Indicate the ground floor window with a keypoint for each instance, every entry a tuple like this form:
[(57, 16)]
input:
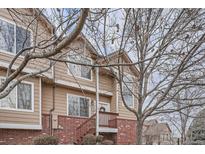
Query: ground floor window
[(20, 98), (78, 106)]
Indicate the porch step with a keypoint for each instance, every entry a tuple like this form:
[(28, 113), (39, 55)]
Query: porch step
[(107, 119)]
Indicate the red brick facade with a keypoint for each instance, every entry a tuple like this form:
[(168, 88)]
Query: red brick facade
[(126, 131), (67, 135)]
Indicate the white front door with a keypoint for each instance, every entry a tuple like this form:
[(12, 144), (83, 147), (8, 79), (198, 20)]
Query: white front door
[(105, 107)]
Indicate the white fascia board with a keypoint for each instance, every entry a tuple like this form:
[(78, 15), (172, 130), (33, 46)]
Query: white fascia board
[(20, 126), (61, 82), (75, 85), (25, 70)]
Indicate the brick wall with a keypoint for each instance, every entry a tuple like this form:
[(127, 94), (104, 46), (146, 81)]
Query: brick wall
[(126, 131), (66, 135)]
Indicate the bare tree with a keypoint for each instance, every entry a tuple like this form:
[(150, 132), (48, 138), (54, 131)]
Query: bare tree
[(70, 28), (176, 37), (182, 119), (167, 47)]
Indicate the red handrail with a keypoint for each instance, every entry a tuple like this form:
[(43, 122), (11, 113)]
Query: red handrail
[(85, 127), (86, 121)]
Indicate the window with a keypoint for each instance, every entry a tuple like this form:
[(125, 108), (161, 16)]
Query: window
[(10, 100), (20, 98), (23, 38), (127, 88), (13, 38), (24, 96), (79, 70), (78, 106), (7, 36)]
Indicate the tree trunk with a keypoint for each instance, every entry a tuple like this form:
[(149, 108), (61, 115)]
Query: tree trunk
[(139, 132), (182, 140)]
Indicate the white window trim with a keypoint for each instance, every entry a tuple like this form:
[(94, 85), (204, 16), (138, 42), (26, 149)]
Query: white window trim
[(40, 101), (91, 71), (133, 101), (117, 97), (32, 98), (89, 106), (13, 23)]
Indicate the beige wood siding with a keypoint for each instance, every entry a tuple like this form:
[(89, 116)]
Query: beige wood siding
[(42, 34), (62, 71), (61, 99), (33, 65), (113, 105), (21, 117), (106, 82), (123, 112)]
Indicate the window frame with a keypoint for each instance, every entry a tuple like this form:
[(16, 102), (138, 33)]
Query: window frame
[(32, 98), (79, 96), (15, 25), (91, 72), (133, 102)]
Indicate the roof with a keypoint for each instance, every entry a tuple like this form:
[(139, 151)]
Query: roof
[(89, 44), (157, 129), (150, 122), (43, 19), (126, 57)]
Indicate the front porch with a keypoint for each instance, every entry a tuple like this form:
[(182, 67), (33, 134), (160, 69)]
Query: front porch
[(107, 124)]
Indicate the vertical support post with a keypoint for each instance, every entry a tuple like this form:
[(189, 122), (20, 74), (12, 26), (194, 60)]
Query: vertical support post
[(97, 101)]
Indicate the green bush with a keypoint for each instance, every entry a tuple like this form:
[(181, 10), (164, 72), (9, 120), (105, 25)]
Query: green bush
[(45, 140), (89, 139), (107, 142)]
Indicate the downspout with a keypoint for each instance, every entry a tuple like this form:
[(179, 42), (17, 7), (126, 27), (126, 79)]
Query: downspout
[(53, 92), (97, 101), (53, 101)]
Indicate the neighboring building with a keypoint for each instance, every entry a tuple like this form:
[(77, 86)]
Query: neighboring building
[(156, 133), (176, 141), (54, 103), (196, 131)]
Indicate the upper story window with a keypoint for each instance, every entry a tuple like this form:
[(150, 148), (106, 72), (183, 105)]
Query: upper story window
[(20, 98), (13, 38), (80, 70), (78, 106), (127, 90)]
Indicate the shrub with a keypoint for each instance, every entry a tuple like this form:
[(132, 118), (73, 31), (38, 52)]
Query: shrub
[(107, 142), (89, 139), (45, 140), (99, 139)]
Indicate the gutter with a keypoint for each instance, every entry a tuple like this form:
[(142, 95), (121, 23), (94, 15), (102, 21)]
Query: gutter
[(53, 101)]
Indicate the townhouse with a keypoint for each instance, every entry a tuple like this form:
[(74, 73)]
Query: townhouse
[(155, 133), (62, 101)]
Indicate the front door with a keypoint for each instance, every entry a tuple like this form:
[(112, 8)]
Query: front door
[(104, 107)]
